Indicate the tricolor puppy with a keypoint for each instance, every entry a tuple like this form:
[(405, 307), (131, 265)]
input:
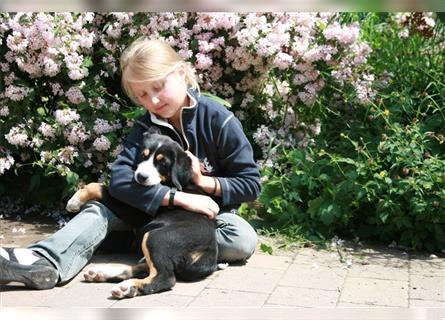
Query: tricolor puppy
[(176, 243)]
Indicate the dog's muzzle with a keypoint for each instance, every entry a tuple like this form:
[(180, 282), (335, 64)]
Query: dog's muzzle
[(146, 174)]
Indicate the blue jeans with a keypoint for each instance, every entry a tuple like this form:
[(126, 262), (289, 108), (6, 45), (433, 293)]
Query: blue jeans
[(70, 248)]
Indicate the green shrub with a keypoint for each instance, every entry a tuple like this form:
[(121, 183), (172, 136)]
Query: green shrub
[(375, 172)]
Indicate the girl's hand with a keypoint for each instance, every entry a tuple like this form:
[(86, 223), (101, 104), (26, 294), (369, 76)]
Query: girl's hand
[(208, 184), (196, 168), (197, 203)]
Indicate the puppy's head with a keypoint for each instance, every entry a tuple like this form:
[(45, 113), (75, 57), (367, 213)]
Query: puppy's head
[(162, 160)]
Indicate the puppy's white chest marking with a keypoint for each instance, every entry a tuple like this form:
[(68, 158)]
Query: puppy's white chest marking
[(146, 173)]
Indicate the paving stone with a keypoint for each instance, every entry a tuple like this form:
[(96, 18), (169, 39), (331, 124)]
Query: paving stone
[(247, 279), (387, 257), (27, 231), (83, 295), (192, 289), (280, 246), (428, 267), (19, 296), (164, 299), (314, 277), (313, 257), (389, 293), (379, 271), (276, 306), (269, 262), (229, 298), (343, 304), (427, 288), (416, 303), (303, 297), (379, 277)]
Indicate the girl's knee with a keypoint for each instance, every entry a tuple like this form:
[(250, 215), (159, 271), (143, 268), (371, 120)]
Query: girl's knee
[(99, 214), (236, 238)]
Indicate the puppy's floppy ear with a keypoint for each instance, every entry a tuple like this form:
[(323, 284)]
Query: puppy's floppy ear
[(181, 170)]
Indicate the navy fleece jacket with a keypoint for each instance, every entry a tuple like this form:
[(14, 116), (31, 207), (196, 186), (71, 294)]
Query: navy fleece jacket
[(211, 133)]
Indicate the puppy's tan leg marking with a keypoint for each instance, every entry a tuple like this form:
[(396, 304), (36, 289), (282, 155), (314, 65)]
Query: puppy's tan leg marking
[(133, 287), (92, 191), (196, 255)]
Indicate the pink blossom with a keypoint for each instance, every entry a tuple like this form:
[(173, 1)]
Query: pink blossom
[(102, 126), (6, 163), (88, 163), (404, 33), (203, 61), (115, 107), (283, 60), (17, 136), (47, 130), (4, 111), (85, 39), (4, 67), (78, 73), (16, 93), (185, 54), (76, 134), (56, 89), (205, 46), (345, 35), (51, 68), (47, 157), (66, 116), (17, 42), (102, 143), (67, 155), (75, 95)]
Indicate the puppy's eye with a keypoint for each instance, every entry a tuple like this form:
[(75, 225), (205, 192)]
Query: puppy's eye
[(146, 153), (160, 157)]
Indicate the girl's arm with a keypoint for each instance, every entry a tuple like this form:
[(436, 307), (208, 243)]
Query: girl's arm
[(193, 202)]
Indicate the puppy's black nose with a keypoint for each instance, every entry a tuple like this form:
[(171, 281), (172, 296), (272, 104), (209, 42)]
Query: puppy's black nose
[(141, 177)]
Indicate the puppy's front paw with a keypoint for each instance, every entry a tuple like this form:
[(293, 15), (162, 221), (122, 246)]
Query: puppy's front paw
[(125, 289), (74, 204)]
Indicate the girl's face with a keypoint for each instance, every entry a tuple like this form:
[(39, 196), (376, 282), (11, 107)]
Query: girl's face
[(164, 97)]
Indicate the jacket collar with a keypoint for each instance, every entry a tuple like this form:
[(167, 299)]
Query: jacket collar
[(187, 114)]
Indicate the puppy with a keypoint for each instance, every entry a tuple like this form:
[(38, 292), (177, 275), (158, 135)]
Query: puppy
[(176, 243)]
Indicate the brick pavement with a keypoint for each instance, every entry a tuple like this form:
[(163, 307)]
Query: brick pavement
[(374, 277)]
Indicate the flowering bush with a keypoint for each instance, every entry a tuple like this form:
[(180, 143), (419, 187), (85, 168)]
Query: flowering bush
[(62, 111), (375, 172)]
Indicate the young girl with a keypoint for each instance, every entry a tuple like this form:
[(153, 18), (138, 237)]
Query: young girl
[(155, 77)]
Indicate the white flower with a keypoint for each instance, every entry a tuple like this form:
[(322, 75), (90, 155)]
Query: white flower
[(6, 163), (102, 143)]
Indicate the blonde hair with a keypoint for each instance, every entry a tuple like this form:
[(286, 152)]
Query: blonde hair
[(150, 60)]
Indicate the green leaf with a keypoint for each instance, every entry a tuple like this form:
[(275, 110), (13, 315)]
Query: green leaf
[(384, 216), (134, 114), (87, 62), (194, 44), (295, 197), (217, 99), (328, 212), (265, 248), (314, 205), (72, 178)]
